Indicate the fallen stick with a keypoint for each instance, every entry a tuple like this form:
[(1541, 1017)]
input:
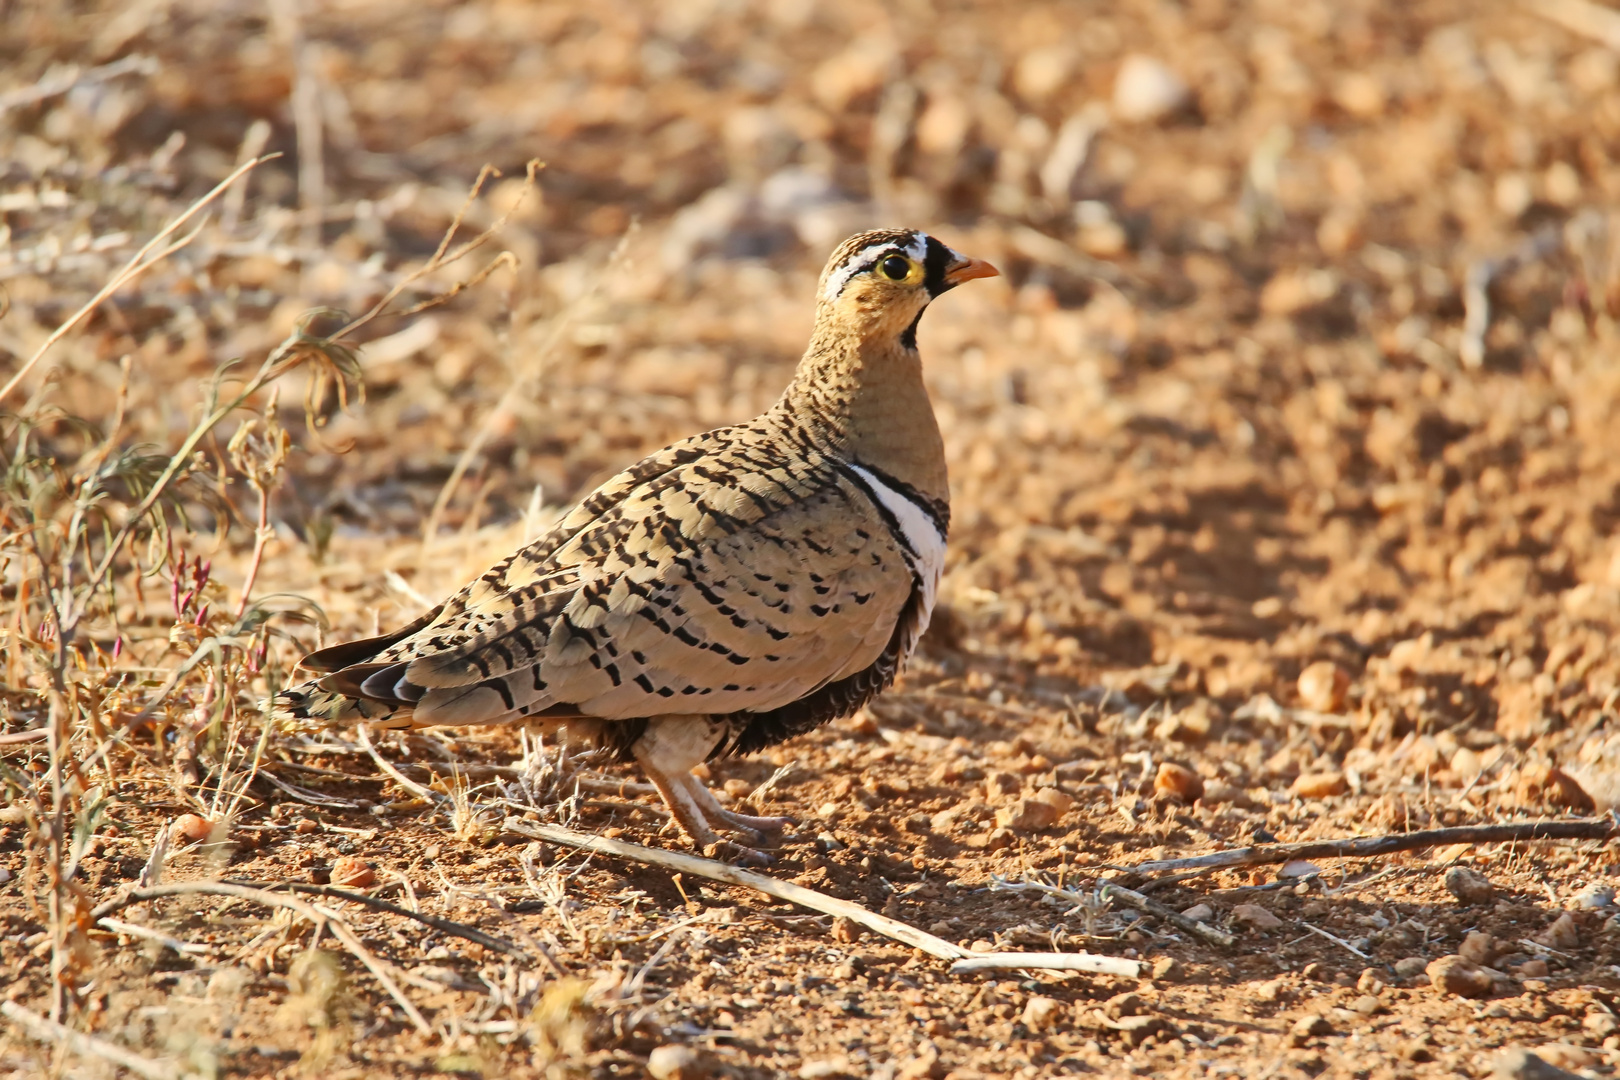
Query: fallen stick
[(460, 930), (1132, 898), (1050, 961), (118, 926), (49, 1031), (1367, 847), (719, 871), (314, 914)]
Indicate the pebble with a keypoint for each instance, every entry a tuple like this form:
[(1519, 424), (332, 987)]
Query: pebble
[(845, 930), (1027, 815), (1137, 1029), (1469, 886), (1060, 801), (1368, 1005), (1200, 913), (1371, 982), (674, 1062), (1533, 969), (1408, 966), (190, 828), (1321, 785), (353, 872), (1455, 975), (822, 1068), (1179, 781), (1121, 1005), (1523, 1065), (1256, 916), (1562, 934), (1002, 785), (1566, 1055), (1000, 838), (1308, 1027), (1478, 948), (1323, 686), (1041, 1013), (1595, 896), (1147, 89), (1166, 967)]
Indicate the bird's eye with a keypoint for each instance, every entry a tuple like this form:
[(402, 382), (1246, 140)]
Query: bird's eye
[(895, 267)]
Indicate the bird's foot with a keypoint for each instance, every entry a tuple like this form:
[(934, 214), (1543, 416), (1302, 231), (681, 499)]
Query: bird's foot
[(749, 823), (738, 854)]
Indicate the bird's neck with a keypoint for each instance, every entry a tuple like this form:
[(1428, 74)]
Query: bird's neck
[(864, 400)]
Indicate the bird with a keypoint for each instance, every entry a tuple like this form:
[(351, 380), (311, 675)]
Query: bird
[(725, 594)]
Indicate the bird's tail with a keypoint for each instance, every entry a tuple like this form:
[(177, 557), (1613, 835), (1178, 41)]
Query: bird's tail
[(309, 702)]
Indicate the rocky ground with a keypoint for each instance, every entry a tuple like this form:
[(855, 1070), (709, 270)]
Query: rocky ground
[(1286, 477)]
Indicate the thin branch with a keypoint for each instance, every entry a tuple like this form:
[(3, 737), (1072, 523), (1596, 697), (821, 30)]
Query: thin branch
[(1050, 961), (1367, 847), (1132, 898), (468, 933), (425, 794), (137, 265), (719, 871), (49, 1031)]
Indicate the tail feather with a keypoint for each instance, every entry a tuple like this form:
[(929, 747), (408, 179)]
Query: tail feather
[(310, 702)]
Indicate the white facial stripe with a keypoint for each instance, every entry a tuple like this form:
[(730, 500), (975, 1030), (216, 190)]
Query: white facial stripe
[(920, 533), (917, 249)]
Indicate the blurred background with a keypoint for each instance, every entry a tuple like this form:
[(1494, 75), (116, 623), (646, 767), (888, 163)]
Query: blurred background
[(1304, 349)]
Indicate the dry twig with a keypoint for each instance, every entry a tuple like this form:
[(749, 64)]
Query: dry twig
[(1050, 961), (719, 871), (1367, 847), (1132, 898), (49, 1031)]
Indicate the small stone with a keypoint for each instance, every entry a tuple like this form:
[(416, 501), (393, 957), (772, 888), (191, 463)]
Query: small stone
[(1166, 967), (1121, 1005), (1469, 886), (352, 872), (1595, 896), (845, 930), (823, 1068), (1321, 785), (1002, 785), (1256, 916), (1322, 686), (1027, 815), (674, 1062), (1060, 801), (737, 789), (1147, 89), (1200, 913), (1371, 982), (1521, 1064), (305, 827), (918, 824), (1309, 1027), (190, 828), (1367, 1005), (982, 946), (1178, 781), (1408, 966), (925, 1066), (1271, 991), (1566, 1055), (1600, 1024), (1478, 948), (1454, 975), (1000, 838), (1137, 1029), (1041, 1013), (1562, 934), (1533, 969)]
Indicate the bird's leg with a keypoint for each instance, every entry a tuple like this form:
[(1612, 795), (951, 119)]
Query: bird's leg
[(666, 752), (745, 823)]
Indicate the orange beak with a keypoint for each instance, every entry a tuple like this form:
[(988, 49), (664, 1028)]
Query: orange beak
[(967, 271)]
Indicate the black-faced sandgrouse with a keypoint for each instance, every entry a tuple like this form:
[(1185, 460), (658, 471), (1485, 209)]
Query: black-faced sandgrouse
[(727, 593)]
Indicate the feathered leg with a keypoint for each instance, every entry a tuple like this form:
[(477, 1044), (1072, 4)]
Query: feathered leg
[(667, 753)]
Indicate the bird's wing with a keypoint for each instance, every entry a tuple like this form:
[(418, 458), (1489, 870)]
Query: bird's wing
[(728, 573)]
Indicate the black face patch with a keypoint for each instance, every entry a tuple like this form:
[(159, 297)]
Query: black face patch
[(935, 263)]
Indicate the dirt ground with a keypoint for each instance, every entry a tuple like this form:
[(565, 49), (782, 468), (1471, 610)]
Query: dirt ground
[(1285, 463)]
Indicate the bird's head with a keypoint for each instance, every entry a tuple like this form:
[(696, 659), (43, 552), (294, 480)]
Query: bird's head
[(880, 282)]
